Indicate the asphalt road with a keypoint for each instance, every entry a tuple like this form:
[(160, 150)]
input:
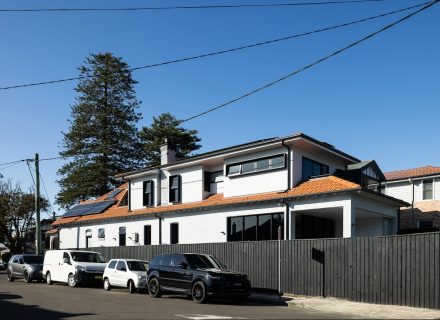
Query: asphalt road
[(19, 300)]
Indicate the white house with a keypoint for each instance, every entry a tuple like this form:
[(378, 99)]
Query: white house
[(295, 187), (420, 187)]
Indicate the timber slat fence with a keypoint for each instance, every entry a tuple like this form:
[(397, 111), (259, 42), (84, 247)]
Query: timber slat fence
[(400, 270)]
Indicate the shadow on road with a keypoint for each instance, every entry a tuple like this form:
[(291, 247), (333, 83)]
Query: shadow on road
[(9, 308)]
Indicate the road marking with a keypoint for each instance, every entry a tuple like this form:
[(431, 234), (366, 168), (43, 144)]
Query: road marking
[(196, 316)]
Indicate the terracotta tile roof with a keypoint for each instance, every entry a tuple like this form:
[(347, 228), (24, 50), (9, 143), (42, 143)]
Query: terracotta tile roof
[(311, 187), (412, 173)]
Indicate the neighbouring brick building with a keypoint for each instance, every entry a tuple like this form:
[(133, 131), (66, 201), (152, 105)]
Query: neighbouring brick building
[(421, 188)]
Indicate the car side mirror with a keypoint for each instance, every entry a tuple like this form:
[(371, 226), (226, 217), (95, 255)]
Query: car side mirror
[(124, 269), (183, 265), (66, 260), (21, 261)]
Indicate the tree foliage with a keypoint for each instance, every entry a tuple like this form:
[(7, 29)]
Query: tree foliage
[(17, 209), (102, 139), (166, 126)]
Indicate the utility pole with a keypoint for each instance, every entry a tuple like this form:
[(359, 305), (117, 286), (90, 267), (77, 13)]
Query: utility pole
[(37, 205)]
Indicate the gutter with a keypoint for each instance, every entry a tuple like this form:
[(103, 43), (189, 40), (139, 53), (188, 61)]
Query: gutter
[(287, 206)]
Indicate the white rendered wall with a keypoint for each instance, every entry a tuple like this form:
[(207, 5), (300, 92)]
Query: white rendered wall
[(400, 190), (261, 182), (371, 227), (192, 184), (75, 237)]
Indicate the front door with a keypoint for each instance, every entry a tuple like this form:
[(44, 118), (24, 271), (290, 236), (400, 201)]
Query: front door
[(180, 275), (120, 274), (64, 268)]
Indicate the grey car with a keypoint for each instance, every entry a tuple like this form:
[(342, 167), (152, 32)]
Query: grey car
[(26, 266)]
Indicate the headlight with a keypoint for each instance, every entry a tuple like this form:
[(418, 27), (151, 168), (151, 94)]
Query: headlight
[(80, 268), (142, 277)]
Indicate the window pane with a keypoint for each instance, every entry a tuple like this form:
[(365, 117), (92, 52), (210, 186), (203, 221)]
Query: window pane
[(177, 259), (101, 233), (216, 177), (174, 182), (112, 264), (278, 162), (250, 228), (234, 169), (235, 229), (277, 221), (148, 187), (427, 189), (174, 233), (324, 169), (263, 164), (166, 260), (316, 171), (248, 167), (306, 168), (121, 265), (147, 235), (264, 227)]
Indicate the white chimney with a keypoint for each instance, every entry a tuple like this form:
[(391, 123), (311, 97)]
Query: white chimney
[(167, 153)]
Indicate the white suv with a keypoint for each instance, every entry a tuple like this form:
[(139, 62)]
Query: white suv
[(126, 273)]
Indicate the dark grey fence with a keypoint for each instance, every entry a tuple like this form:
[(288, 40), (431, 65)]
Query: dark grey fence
[(400, 270)]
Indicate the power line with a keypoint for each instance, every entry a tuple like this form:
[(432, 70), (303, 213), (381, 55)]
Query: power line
[(222, 6), (335, 53), (210, 54), (47, 195), (11, 165), (30, 172), (13, 162)]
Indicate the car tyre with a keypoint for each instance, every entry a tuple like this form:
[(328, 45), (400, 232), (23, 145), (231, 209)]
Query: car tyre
[(154, 288), (10, 276), (107, 285), (71, 280), (131, 287), (199, 293), (27, 278), (49, 278)]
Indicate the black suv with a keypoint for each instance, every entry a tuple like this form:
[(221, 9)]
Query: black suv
[(196, 275)]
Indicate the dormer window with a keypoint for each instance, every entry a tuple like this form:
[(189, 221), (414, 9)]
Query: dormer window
[(148, 194), (175, 188)]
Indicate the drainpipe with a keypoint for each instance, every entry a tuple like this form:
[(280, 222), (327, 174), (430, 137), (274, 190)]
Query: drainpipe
[(412, 203), (160, 227), (129, 196), (289, 173)]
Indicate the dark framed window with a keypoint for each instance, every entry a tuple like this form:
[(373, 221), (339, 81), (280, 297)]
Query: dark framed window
[(148, 193), (174, 233), (101, 233), (147, 235), (311, 168), (122, 236), (427, 190), (255, 227), (175, 188), (257, 165), (425, 224), (124, 201), (88, 237), (212, 177)]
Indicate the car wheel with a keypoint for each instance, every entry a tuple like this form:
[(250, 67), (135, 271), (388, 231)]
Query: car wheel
[(154, 288), (10, 276), (71, 280), (107, 285), (49, 278), (27, 278), (131, 287), (198, 292)]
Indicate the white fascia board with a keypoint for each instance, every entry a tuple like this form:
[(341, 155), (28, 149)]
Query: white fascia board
[(142, 174), (434, 176)]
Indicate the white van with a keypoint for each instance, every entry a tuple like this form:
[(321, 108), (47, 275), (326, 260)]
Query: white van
[(73, 266)]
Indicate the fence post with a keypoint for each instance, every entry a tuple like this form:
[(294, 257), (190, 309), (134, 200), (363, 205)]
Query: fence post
[(279, 259)]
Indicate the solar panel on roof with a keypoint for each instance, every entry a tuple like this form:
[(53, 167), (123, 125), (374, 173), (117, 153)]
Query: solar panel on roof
[(114, 193), (88, 208)]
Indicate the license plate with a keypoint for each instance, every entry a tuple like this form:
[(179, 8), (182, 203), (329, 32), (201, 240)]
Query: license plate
[(98, 277), (237, 284)]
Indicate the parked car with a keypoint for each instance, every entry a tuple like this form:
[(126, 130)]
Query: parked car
[(3, 265), (26, 266), (73, 267), (126, 273), (199, 276)]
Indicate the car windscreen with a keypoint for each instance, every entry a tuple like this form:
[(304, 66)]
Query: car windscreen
[(136, 266), (33, 259), (196, 261), (87, 257)]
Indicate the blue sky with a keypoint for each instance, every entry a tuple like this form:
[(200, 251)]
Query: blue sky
[(380, 100)]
